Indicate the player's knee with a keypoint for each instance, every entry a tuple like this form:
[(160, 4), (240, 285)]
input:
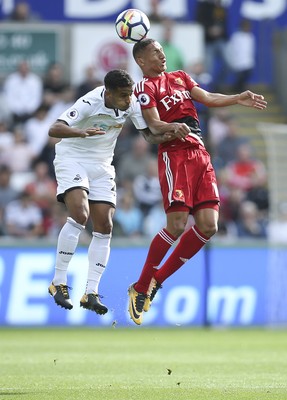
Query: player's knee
[(81, 216), (209, 229), (176, 229)]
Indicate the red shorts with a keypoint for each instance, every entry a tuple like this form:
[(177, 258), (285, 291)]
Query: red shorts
[(187, 177)]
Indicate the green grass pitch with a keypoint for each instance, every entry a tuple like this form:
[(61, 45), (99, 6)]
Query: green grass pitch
[(139, 363)]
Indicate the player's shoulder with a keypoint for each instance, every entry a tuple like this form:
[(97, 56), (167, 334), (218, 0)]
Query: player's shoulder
[(177, 73), (142, 85), (94, 96)]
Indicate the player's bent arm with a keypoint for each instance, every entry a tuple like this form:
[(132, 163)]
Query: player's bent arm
[(60, 129), (156, 139), (159, 127), (247, 98)]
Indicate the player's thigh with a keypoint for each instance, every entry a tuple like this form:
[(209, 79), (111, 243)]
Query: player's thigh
[(76, 201), (206, 220), (102, 216)]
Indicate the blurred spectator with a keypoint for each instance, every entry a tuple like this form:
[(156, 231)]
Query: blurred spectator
[(36, 130), (128, 216), (90, 82), (174, 58), (54, 84), (124, 142), (146, 187), (155, 15), (48, 154), (66, 100), (136, 161), (58, 218), (227, 149), (23, 218), (22, 13), (241, 54), (230, 200), (7, 191), (204, 79), (5, 112), (218, 126), (213, 18), (20, 155), (6, 140), (250, 224), (155, 220), (42, 190), (23, 92), (246, 172)]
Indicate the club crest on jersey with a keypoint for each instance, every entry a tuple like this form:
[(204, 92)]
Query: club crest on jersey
[(144, 99), (179, 81), (73, 114), (179, 194)]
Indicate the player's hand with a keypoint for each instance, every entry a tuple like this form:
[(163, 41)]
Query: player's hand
[(95, 131), (179, 130), (91, 132), (250, 99)]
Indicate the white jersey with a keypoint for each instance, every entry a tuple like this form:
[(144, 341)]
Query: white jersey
[(90, 111)]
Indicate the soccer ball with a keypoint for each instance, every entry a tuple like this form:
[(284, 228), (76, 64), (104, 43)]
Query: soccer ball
[(132, 25)]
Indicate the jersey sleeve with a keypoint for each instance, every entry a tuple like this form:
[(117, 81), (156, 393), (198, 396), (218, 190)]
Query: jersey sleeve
[(145, 94), (136, 114), (189, 81), (81, 109)]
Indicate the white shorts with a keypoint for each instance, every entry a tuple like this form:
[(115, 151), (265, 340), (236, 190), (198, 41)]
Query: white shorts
[(97, 179)]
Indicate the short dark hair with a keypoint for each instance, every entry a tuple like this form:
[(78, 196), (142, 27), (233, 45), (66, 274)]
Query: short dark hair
[(117, 78), (141, 45)]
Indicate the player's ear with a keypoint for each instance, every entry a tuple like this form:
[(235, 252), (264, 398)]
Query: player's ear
[(140, 61)]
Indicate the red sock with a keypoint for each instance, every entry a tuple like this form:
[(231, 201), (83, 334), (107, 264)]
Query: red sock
[(159, 246), (190, 243)]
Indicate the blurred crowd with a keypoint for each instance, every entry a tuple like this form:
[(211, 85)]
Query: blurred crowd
[(29, 104)]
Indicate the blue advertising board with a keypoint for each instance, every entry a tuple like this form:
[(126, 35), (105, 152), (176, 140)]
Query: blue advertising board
[(239, 292), (107, 10)]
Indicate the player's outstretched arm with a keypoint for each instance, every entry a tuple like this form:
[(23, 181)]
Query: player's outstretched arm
[(247, 99), (60, 129)]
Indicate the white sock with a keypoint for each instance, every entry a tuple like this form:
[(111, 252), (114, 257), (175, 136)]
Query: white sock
[(98, 255), (67, 243)]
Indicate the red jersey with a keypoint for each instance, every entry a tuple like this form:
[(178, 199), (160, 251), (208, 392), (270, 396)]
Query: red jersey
[(170, 94)]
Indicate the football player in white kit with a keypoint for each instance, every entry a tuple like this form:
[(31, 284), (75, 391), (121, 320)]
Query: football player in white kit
[(86, 178)]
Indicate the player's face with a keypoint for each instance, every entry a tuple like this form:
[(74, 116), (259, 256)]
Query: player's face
[(119, 98), (153, 60)]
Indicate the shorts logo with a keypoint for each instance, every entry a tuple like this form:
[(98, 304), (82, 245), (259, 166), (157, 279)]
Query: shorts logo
[(179, 194), (77, 178), (144, 99), (73, 114)]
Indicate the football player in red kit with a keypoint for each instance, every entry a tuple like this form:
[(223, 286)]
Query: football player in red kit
[(187, 178)]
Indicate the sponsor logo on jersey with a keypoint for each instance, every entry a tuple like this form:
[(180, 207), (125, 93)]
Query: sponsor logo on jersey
[(86, 101), (73, 114), (144, 99), (177, 97)]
